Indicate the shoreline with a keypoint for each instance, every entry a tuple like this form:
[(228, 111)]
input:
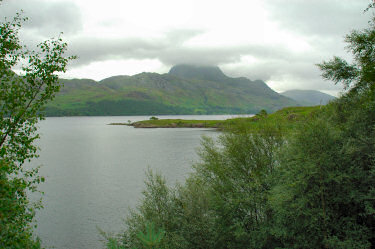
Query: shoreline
[(175, 123), (286, 118)]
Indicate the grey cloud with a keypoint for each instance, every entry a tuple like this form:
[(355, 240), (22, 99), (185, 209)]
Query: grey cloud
[(89, 50), (201, 56), (100, 49), (319, 17), (46, 19), (294, 75), (169, 49), (97, 49)]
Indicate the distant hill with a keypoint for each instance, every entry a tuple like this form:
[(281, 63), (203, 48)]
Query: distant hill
[(308, 97), (184, 90)]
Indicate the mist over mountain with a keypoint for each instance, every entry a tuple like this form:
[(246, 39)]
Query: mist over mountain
[(308, 97), (186, 89), (198, 72)]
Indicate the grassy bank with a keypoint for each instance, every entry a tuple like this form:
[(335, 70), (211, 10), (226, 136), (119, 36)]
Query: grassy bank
[(286, 118)]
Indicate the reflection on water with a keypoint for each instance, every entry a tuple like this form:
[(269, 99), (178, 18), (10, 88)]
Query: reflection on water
[(95, 171)]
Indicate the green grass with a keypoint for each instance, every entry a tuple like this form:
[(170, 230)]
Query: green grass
[(287, 119), (176, 123)]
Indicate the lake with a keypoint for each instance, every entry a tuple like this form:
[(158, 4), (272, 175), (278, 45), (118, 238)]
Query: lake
[(95, 172)]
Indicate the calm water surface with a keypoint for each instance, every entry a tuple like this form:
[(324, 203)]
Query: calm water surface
[(95, 172)]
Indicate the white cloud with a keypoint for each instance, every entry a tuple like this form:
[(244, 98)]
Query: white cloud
[(46, 18)]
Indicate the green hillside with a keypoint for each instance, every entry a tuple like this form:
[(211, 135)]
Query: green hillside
[(184, 90)]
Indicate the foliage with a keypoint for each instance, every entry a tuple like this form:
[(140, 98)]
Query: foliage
[(238, 174), (324, 196), (317, 192), (262, 113), (21, 99), (152, 238), (159, 207)]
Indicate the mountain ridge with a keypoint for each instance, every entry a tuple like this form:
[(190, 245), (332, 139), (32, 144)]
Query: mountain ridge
[(184, 90), (308, 97)]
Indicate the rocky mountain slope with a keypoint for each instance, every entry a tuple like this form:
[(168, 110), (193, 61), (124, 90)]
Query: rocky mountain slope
[(185, 89)]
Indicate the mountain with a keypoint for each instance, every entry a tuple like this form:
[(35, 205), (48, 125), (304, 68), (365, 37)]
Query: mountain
[(198, 72), (308, 97), (185, 89)]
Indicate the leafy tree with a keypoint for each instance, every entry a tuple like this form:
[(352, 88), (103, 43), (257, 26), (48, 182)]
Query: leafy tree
[(22, 98), (354, 113), (325, 195), (151, 239), (223, 204), (262, 113), (158, 207), (238, 172), (314, 199)]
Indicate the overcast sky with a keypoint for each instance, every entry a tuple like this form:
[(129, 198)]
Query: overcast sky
[(278, 41)]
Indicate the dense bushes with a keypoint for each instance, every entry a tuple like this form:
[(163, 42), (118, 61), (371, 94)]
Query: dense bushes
[(319, 196), (222, 205)]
